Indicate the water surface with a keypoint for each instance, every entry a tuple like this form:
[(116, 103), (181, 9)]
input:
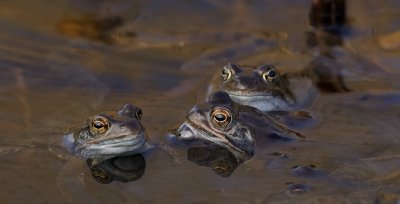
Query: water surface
[(63, 60)]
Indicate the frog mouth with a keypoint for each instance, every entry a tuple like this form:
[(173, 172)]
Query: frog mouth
[(251, 94), (262, 102), (253, 98), (205, 133), (114, 146), (120, 141)]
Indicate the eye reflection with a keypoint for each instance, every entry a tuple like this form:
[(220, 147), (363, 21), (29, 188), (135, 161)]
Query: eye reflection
[(219, 159), (222, 168)]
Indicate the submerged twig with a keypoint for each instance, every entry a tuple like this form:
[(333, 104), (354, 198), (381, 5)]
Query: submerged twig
[(381, 158), (391, 176), (22, 96)]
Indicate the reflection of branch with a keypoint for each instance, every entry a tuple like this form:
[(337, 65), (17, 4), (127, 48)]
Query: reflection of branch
[(382, 158), (391, 176), (21, 86)]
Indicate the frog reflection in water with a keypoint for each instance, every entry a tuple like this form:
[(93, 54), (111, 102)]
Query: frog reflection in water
[(263, 87), (109, 134), (235, 127), (125, 168), (218, 158)]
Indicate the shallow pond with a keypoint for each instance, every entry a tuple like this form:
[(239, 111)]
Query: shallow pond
[(63, 60)]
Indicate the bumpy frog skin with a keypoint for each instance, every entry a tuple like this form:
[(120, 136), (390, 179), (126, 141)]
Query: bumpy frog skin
[(263, 87), (108, 134), (236, 127)]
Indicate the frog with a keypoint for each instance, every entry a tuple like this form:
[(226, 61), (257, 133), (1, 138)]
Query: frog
[(239, 128), (330, 66), (109, 145), (263, 87), (108, 134)]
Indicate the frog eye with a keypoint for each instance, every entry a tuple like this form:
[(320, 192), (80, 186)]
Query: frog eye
[(226, 73), (139, 114), (221, 117), (269, 76), (100, 125)]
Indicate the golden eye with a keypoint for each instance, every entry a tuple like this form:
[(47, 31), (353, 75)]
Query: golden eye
[(269, 76), (226, 73), (100, 126), (221, 117)]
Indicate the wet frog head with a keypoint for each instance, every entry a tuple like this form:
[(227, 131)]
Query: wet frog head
[(108, 134), (218, 121), (262, 87), (236, 127)]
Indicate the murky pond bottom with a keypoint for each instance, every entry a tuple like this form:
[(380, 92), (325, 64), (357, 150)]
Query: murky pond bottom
[(64, 60)]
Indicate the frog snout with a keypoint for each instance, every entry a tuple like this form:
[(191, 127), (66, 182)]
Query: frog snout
[(185, 133)]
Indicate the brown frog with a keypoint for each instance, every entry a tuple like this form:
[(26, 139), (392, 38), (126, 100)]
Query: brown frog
[(263, 87), (238, 128), (107, 135)]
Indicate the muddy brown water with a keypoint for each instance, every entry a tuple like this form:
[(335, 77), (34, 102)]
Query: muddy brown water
[(61, 61)]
